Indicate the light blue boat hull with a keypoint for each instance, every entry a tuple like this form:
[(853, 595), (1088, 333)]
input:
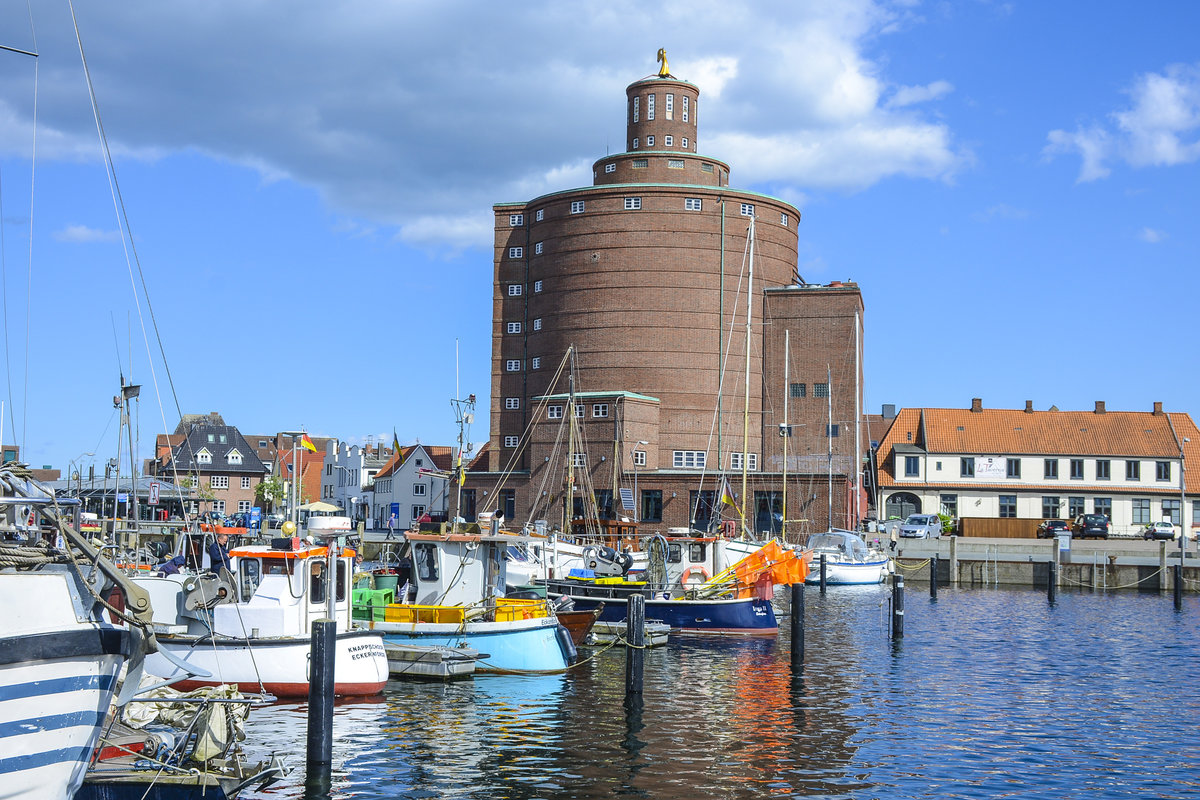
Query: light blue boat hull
[(516, 647)]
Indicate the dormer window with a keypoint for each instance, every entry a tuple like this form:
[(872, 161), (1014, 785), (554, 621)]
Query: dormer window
[(234, 457), (204, 457)]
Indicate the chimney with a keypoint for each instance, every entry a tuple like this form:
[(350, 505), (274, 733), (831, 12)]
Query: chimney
[(1028, 406), (1099, 406), (1158, 408), (889, 410), (976, 405)]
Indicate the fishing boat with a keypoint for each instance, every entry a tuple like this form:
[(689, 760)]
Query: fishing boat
[(59, 656), (848, 559), (688, 586), (250, 626), (460, 601)]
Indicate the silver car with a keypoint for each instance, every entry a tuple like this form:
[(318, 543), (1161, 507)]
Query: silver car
[(921, 526)]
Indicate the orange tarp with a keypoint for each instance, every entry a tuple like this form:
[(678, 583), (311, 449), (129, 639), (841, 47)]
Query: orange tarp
[(769, 566)]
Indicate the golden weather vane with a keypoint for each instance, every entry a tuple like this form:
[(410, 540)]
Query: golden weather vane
[(663, 72)]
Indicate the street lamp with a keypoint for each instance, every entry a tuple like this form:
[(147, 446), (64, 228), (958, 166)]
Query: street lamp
[(640, 443)]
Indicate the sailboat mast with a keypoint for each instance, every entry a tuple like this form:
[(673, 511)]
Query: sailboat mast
[(746, 410), (857, 421), (785, 430), (829, 438), (569, 499)]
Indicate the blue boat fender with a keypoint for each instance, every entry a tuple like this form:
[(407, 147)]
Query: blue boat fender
[(566, 645)]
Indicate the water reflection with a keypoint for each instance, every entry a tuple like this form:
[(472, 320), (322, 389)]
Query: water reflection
[(991, 692)]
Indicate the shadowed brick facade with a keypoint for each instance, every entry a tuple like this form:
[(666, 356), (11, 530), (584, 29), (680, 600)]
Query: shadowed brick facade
[(644, 272)]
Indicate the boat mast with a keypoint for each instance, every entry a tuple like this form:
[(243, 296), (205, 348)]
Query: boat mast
[(746, 409), (857, 421), (569, 499), (784, 429), (829, 438)]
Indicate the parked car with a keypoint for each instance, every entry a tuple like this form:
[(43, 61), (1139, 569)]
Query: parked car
[(1053, 527), (1088, 526), (1159, 530), (921, 526)]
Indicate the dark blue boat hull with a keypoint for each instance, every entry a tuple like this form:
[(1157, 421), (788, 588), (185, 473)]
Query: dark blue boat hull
[(743, 616)]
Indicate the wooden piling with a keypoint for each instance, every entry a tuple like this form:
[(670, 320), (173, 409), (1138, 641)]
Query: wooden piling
[(797, 623), (323, 647), (897, 606), (635, 653), (823, 573), (933, 577), (1051, 580)]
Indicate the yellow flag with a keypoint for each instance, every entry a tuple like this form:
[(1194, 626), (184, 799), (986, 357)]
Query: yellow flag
[(307, 443)]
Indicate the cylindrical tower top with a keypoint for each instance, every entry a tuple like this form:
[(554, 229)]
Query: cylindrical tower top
[(661, 113)]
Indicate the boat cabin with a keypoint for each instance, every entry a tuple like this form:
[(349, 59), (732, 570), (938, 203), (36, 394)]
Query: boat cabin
[(283, 587), (463, 569)]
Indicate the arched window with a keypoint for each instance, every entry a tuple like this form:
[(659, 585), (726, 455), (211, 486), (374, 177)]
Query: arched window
[(901, 504)]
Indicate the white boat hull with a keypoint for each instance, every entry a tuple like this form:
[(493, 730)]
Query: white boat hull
[(276, 665), (848, 574)]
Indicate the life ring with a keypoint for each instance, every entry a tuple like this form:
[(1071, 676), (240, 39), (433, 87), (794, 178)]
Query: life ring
[(684, 579)]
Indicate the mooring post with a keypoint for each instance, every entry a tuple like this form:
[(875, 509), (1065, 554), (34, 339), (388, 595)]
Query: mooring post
[(1051, 580), (933, 576), (797, 624), (1177, 569), (635, 653), (897, 606), (323, 647), (954, 561), (823, 573)]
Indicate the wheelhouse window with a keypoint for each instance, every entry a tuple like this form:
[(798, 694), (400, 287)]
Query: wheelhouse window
[(425, 561)]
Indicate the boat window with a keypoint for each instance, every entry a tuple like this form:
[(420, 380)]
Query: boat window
[(341, 580), (674, 553), (427, 567), (316, 583), (696, 551), (249, 576)]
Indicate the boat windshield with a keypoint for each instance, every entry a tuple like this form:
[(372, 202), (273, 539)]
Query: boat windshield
[(838, 541)]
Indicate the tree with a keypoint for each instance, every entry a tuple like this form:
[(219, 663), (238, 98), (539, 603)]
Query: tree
[(271, 491)]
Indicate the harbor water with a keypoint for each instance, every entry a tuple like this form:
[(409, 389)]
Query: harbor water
[(991, 693)]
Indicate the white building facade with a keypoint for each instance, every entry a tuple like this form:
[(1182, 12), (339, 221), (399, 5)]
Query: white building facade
[(411, 486)]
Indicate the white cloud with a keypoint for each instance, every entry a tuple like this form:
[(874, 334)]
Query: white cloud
[(911, 95), (84, 234), (1151, 235), (1162, 128)]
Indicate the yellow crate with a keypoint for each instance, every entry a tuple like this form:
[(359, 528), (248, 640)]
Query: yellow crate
[(406, 613), (510, 609), (617, 580)]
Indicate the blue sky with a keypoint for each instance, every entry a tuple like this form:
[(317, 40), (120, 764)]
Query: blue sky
[(309, 190)]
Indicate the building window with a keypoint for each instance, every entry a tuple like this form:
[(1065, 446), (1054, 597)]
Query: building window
[(540, 215), (1049, 508), (417, 512), (966, 467), (652, 505), (1133, 470), (508, 503), (218, 506), (516, 252), (688, 459), (1076, 469), (1141, 511), (649, 141), (639, 458), (554, 412), (514, 290), (536, 363), (1014, 468), (1103, 469), (204, 457), (649, 107), (912, 466), (675, 163), (950, 505), (418, 489), (514, 327), (234, 457), (683, 143), (640, 163), (1102, 505), (579, 411), (1008, 506), (1170, 511), (706, 167), (798, 390), (783, 220), (219, 482), (537, 248), (246, 480), (637, 105), (635, 143), (1050, 469), (747, 209), (243, 506), (516, 220), (1162, 470), (610, 168), (735, 461), (831, 431), (633, 203), (599, 409), (511, 441), (537, 324), (512, 402), (513, 365), (1074, 506), (685, 109), (670, 142), (820, 390), (692, 204), (576, 206), (670, 109), (579, 459), (537, 286)]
